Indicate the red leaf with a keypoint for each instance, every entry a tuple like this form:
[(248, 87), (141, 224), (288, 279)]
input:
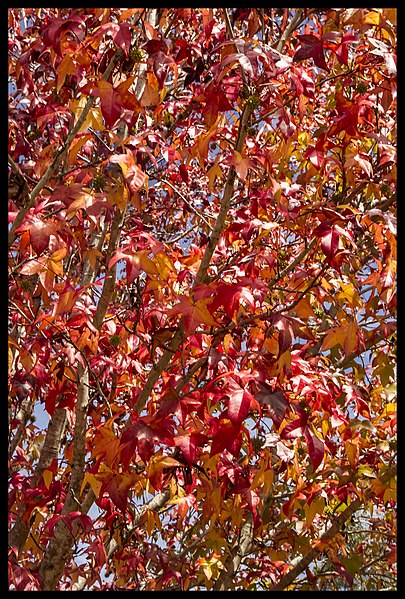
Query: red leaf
[(294, 429), (117, 487), (239, 405), (285, 333), (230, 295), (316, 448), (275, 401), (341, 50), (161, 66), (341, 569), (312, 47), (187, 444), (195, 313), (120, 33), (227, 436), (109, 97)]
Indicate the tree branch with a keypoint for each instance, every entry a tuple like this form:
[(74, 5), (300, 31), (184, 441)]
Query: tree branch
[(46, 177), (241, 549), (164, 360), (60, 546), (335, 527), (56, 428)]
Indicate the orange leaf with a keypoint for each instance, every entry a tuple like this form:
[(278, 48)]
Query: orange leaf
[(194, 313), (150, 96), (350, 340), (66, 67)]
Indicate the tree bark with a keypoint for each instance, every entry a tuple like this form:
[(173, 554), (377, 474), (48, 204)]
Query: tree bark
[(227, 577), (56, 429), (59, 549)]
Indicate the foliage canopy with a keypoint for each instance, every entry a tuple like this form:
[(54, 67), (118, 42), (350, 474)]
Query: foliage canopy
[(202, 298)]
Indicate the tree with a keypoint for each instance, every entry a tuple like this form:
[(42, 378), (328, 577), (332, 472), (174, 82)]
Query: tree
[(202, 296)]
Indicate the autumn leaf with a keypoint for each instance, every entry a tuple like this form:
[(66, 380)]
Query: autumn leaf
[(241, 164), (133, 174), (230, 296), (110, 105), (65, 67), (275, 401), (117, 486), (202, 334), (93, 119), (150, 96), (240, 402), (120, 33), (311, 47), (195, 313)]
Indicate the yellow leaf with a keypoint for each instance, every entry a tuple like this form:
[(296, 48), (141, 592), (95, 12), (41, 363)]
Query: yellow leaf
[(372, 18), (351, 449), (47, 475), (10, 359), (94, 118), (164, 265), (119, 196), (203, 141), (268, 480), (349, 292), (214, 172), (91, 256), (315, 507), (75, 146), (334, 336), (216, 499), (304, 309)]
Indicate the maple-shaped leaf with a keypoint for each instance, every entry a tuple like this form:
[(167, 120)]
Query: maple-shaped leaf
[(39, 232), (162, 64), (120, 33), (157, 464), (230, 296), (240, 402), (363, 161), (295, 428), (226, 436), (350, 114), (133, 174), (150, 96), (311, 47), (65, 67), (109, 99), (316, 448), (330, 235), (59, 29), (126, 97), (183, 504), (341, 49), (135, 262), (66, 299), (195, 313), (275, 401), (117, 486), (241, 164), (188, 445), (232, 59)]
